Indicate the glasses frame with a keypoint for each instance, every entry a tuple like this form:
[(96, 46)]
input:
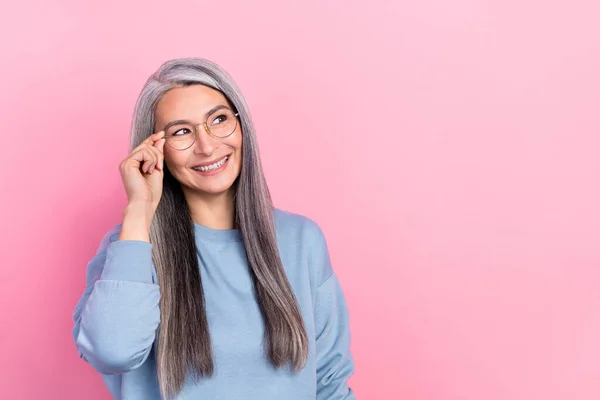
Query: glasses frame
[(206, 128)]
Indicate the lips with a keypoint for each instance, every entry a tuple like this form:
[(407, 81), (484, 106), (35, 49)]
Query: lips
[(210, 162), (215, 166)]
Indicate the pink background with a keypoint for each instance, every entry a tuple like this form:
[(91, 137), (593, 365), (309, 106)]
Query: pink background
[(449, 150)]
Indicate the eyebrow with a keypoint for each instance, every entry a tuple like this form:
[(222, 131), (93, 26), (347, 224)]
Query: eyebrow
[(206, 114)]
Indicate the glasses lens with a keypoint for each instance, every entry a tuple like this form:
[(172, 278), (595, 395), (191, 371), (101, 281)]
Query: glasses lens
[(180, 136), (222, 123)]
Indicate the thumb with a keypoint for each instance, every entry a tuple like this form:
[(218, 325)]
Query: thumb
[(161, 148)]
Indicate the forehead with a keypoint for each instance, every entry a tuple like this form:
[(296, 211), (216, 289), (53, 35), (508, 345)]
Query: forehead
[(189, 102)]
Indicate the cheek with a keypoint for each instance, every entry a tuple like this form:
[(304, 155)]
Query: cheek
[(174, 159), (239, 140), (234, 142), (239, 151)]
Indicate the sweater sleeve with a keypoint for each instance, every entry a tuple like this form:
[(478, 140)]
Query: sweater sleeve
[(335, 363), (116, 318)]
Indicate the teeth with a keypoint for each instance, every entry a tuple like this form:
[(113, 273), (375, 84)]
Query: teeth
[(216, 165)]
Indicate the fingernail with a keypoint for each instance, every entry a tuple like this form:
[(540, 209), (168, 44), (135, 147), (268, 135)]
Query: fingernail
[(161, 164)]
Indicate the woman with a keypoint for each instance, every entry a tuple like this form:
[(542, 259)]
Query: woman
[(205, 290)]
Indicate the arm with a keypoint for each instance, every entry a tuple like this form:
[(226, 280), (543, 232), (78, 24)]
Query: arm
[(334, 359), (118, 314)]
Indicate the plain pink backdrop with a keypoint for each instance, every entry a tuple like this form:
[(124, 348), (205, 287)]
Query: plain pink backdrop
[(449, 150)]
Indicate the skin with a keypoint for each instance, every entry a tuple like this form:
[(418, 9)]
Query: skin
[(210, 198)]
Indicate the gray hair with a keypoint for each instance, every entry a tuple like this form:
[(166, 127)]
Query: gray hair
[(183, 341)]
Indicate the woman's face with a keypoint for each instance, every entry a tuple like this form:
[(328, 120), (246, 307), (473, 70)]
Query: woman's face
[(193, 103)]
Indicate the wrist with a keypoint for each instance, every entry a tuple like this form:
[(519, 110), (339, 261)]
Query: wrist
[(137, 219)]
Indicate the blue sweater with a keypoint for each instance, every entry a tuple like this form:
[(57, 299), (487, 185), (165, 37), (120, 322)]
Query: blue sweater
[(117, 318)]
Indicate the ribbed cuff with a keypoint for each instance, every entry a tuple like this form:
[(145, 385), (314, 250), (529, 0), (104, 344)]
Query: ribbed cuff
[(128, 260)]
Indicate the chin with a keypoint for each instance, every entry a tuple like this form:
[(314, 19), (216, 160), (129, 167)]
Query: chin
[(215, 189), (213, 192)]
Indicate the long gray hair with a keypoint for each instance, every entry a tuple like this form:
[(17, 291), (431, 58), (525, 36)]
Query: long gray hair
[(184, 343)]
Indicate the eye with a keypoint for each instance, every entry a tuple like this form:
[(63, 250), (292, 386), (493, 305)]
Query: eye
[(181, 132), (219, 119)]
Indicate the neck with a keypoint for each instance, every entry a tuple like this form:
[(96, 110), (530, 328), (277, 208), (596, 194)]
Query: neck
[(212, 211)]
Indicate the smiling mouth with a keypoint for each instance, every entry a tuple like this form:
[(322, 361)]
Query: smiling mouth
[(213, 166)]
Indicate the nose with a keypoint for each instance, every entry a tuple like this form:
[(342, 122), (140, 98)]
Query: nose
[(205, 143)]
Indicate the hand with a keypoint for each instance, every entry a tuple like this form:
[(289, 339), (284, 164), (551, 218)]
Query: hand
[(142, 171)]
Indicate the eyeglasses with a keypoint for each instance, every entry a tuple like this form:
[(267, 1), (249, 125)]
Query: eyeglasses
[(181, 135)]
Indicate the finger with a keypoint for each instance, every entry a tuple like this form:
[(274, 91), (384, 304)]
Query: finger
[(160, 146), (144, 157), (159, 156), (152, 166), (162, 150), (149, 141), (152, 162), (154, 137)]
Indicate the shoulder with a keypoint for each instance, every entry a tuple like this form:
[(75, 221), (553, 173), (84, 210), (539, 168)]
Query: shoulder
[(298, 228), (306, 237)]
